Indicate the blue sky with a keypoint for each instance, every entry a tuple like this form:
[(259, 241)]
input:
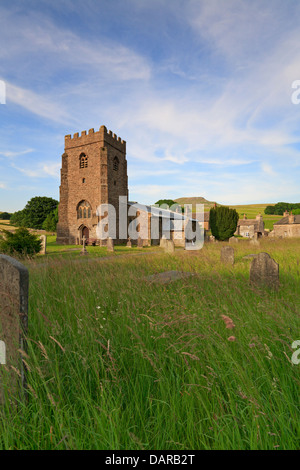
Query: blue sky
[(200, 90)]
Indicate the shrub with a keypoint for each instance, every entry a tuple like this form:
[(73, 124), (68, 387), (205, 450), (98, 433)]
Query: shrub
[(223, 222), (20, 243)]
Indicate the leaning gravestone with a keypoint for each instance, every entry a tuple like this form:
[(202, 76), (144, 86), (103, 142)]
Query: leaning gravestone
[(169, 246), (110, 245), (14, 280), (227, 255), (44, 244), (264, 271)]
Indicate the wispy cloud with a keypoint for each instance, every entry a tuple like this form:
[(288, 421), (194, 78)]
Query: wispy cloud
[(10, 154), (41, 171)]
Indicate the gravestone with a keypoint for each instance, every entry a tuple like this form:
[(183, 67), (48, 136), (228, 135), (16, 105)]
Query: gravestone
[(84, 250), (254, 242), (212, 238), (110, 245), (162, 242), (233, 240), (264, 271), (44, 244), (129, 243), (227, 255), (169, 247), (140, 243), (14, 280)]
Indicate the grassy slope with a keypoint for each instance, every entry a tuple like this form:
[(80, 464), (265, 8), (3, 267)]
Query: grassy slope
[(251, 210), (116, 362)]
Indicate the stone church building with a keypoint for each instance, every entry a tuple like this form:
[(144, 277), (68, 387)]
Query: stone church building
[(93, 173)]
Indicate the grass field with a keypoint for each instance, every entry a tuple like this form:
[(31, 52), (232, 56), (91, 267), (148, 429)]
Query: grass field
[(118, 362)]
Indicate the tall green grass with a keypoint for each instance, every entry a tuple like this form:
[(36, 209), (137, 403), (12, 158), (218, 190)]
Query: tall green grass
[(118, 362)]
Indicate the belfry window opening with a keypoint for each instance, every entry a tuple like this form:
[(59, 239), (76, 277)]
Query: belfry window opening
[(116, 164), (83, 161)]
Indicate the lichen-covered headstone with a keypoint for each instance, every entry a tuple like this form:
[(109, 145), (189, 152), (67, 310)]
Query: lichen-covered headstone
[(129, 243), (110, 245), (233, 240), (227, 255), (14, 280), (264, 271), (44, 244), (169, 247)]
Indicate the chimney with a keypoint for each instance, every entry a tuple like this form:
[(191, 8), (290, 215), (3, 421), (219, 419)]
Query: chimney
[(245, 217), (286, 214), (291, 219), (259, 216)]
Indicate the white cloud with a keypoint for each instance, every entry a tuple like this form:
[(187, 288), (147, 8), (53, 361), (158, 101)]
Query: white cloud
[(42, 170), (10, 154), (38, 104)]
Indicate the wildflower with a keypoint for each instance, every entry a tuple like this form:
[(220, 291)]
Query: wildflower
[(228, 322), (231, 338)]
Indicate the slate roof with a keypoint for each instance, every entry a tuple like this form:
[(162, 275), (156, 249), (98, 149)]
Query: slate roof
[(285, 220), (246, 222)]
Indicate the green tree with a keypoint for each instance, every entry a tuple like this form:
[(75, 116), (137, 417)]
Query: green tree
[(269, 210), (223, 222), (18, 219), (5, 216), (20, 243), (170, 203), (35, 212), (51, 221)]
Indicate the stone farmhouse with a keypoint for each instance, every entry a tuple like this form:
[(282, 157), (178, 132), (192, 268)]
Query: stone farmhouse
[(94, 173), (288, 226), (251, 228)]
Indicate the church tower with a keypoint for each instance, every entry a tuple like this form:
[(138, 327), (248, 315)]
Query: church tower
[(94, 172)]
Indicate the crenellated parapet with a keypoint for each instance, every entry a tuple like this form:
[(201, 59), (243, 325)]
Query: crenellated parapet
[(91, 137)]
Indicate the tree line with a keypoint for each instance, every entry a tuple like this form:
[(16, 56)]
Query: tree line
[(281, 207)]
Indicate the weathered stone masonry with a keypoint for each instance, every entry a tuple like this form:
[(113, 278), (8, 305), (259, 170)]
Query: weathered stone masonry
[(94, 172)]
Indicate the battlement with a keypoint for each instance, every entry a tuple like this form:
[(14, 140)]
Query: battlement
[(91, 137)]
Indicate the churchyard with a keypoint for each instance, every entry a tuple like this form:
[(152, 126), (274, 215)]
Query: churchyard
[(119, 358)]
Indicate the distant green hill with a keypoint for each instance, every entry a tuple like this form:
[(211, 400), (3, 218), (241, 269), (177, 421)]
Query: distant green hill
[(196, 200)]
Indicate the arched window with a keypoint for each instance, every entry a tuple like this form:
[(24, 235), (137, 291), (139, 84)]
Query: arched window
[(83, 161), (84, 210), (116, 164)]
